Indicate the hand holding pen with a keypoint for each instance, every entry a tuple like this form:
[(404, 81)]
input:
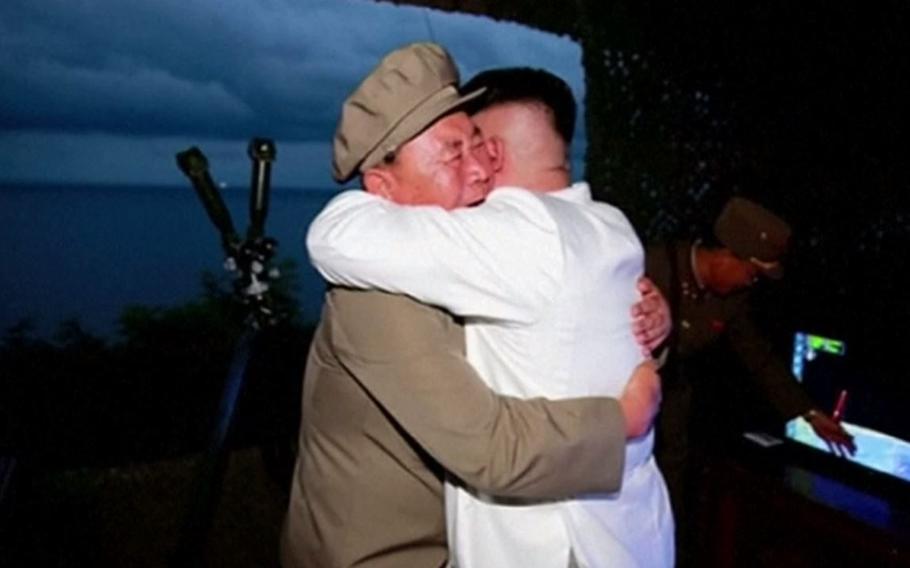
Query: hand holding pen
[(838, 440)]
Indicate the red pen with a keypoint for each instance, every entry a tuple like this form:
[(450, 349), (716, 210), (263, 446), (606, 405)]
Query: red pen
[(839, 407)]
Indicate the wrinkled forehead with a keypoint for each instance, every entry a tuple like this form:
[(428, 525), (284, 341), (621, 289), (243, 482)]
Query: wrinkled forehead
[(454, 130)]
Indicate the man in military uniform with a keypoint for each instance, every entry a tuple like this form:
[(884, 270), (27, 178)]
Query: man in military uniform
[(707, 286), (390, 399)]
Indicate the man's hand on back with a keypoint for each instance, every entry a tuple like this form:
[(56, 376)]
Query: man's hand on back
[(651, 320), (640, 400)]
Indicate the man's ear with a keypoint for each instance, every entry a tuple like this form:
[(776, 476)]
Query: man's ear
[(496, 150), (378, 182)]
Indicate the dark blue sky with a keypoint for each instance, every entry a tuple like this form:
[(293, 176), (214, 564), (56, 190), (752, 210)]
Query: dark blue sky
[(109, 90)]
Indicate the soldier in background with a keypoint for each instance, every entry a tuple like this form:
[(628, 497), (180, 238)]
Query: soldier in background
[(707, 285)]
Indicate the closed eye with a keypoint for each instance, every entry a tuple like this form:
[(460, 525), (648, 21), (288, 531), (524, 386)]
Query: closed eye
[(453, 151)]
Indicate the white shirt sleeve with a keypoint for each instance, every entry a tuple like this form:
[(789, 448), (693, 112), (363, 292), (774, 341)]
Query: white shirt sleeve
[(501, 260)]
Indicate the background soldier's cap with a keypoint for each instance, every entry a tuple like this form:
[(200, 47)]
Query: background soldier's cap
[(407, 92), (753, 233)]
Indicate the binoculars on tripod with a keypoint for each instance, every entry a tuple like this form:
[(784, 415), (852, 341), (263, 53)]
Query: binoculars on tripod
[(247, 257)]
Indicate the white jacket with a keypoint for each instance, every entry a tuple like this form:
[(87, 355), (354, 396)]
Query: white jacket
[(546, 283)]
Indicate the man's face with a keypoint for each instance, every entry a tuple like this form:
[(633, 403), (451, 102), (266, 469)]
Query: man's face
[(731, 273), (446, 165)]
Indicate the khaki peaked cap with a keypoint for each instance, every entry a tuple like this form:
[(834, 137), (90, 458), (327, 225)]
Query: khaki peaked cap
[(753, 233), (408, 91)]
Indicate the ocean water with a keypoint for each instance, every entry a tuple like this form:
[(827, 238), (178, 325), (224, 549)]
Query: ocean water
[(85, 252)]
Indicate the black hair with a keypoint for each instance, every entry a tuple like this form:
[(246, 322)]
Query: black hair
[(526, 84)]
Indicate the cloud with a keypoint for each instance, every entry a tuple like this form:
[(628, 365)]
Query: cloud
[(208, 70), (128, 100)]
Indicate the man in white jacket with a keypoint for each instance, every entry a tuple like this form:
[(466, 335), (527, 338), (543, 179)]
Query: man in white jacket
[(546, 279)]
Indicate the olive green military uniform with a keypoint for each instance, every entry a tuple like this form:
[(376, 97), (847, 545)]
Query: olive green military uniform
[(701, 319)]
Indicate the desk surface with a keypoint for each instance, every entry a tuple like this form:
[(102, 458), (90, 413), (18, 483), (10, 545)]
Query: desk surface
[(783, 503)]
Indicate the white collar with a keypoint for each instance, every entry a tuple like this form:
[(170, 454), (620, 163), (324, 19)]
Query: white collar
[(578, 192)]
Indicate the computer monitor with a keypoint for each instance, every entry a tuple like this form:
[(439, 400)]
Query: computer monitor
[(869, 407)]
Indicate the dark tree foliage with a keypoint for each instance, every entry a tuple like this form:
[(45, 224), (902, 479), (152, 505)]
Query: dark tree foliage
[(153, 391)]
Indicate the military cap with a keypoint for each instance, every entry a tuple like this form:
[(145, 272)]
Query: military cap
[(410, 89), (753, 233)]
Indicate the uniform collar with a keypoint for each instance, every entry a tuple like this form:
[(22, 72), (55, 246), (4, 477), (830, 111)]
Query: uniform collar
[(690, 287)]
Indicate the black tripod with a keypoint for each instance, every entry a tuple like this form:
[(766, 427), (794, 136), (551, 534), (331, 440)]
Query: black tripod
[(248, 260)]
